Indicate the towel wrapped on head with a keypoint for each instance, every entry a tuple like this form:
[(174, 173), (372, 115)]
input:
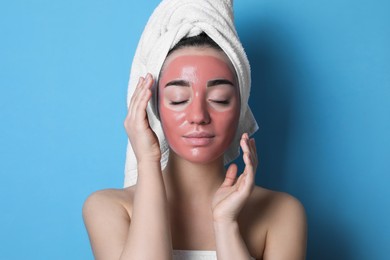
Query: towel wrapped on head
[(170, 22)]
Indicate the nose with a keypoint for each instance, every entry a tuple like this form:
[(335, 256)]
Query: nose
[(198, 112)]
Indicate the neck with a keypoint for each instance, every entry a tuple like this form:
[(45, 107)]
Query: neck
[(187, 182)]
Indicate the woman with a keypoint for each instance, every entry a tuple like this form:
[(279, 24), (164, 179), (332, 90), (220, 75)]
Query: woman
[(194, 207)]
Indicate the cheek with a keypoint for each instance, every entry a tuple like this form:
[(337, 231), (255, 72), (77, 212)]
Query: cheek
[(226, 119), (171, 120), (226, 122)]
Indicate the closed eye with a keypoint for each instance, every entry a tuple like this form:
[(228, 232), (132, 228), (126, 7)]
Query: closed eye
[(178, 102), (223, 102)]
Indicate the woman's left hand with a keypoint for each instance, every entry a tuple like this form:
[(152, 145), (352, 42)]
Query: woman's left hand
[(233, 193)]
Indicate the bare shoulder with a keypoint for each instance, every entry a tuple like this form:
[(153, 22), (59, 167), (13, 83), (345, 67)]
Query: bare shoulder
[(276, 204), (107, 217), (270, 206), (109, 198), (105, 205), (280, 223), (117, 200)]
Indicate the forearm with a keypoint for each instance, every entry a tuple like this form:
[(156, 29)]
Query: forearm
[(229, 242), (149, 233)]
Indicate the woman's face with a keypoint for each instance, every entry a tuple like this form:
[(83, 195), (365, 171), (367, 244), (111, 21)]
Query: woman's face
[(199, 103)]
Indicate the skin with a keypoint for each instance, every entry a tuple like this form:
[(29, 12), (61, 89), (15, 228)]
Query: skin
[(196, 204), (195, 117)]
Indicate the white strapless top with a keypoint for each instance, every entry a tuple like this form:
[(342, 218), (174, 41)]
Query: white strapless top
[(195, 255)]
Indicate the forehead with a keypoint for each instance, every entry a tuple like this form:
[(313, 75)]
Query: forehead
[(205, 57)]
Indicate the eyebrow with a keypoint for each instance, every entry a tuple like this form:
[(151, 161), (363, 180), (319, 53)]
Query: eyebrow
[(217, 82), (211, 83), (180, 83)]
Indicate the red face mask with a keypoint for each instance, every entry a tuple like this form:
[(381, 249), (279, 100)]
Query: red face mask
[(199, 103)]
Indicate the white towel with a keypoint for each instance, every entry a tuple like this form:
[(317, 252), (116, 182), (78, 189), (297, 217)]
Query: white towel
[(170, 22)]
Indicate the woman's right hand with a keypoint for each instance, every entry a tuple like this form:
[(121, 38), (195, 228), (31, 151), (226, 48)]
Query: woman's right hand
[(142, 138)]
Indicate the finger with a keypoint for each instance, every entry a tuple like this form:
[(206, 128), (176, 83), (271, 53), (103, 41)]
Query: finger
[(249, 166), (250, 148), (130, 113), (230, 176), (252, 145), (138, 96), (244, 143), (138, 90), (246, 184), (133, 100), (149, 81), (240, 179), (143, 99), (248, 176), (142, 92), (248, 163), (140, 83)]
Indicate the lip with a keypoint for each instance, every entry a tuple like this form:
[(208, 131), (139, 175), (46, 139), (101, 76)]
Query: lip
[(199, 138), (201, 134)]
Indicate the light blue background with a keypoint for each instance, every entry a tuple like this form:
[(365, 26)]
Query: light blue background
[(321, 95)]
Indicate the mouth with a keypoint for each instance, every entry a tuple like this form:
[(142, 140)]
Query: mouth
[(199, 138)]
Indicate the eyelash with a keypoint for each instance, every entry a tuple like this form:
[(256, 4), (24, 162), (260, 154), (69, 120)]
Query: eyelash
[(174, 103), (221, 102)]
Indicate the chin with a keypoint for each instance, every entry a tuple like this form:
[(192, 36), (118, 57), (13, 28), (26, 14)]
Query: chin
[(200, 155)]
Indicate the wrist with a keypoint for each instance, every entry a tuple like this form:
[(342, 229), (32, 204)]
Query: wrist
[(148, 168), (224, 218), (147, 163), (147, 158), (225, 225)]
